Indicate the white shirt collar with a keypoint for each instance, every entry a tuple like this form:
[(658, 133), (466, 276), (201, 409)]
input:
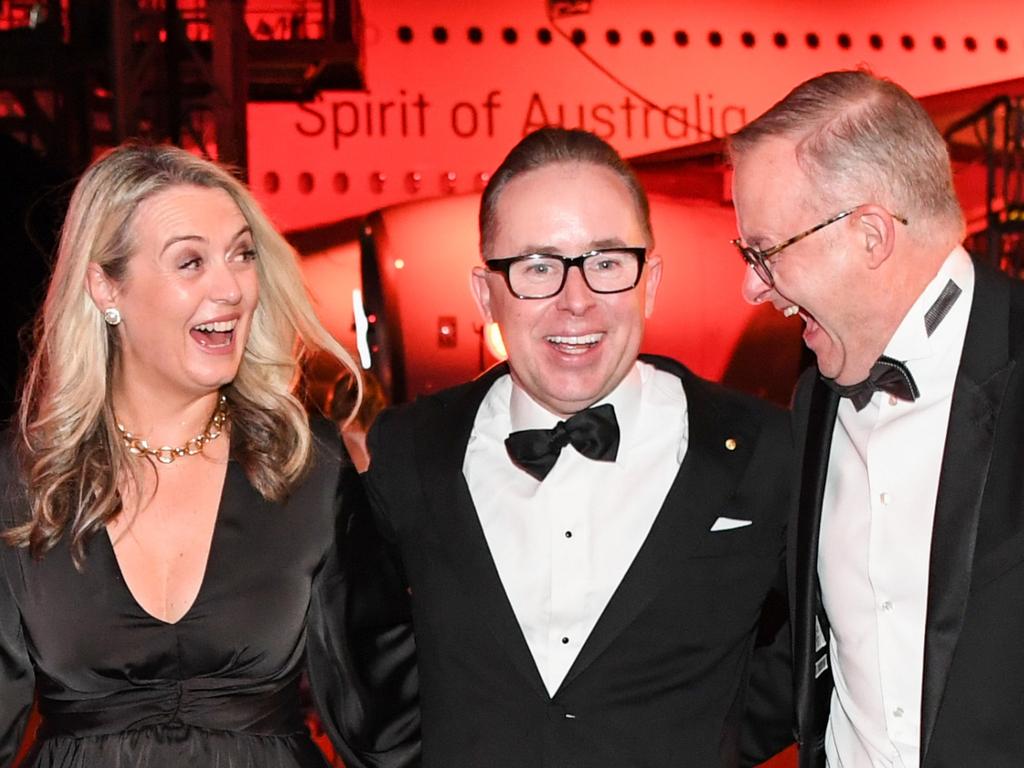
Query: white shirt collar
[(527, 413), (911, 340)]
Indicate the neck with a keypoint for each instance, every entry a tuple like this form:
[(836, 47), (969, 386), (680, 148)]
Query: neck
[(161, 420), (895, 293)]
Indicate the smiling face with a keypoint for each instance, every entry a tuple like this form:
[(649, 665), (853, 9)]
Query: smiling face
[(819, 278), (570, 350), (188, 294)]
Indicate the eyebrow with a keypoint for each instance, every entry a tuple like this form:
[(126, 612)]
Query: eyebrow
[(594, 245), (246, 229)]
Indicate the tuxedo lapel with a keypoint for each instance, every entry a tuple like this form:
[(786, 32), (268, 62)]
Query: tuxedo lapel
[(813, 690), (708, 475), (442, 442), (978, 394)]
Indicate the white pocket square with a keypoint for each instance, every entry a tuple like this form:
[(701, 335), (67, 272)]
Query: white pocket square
[(728, 523)]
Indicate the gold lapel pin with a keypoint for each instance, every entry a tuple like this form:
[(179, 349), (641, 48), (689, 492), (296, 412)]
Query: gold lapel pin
[(730, 444)]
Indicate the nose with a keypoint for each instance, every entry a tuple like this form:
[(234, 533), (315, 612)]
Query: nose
[(226, 288), (753, 288), (576, 296)]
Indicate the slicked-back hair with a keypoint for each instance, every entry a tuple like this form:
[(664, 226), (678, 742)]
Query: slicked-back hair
[(863, 139), (556, 146), (73, 462)]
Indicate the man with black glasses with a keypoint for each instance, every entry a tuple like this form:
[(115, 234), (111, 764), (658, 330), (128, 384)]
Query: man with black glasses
[(588, 538), (906, 558)]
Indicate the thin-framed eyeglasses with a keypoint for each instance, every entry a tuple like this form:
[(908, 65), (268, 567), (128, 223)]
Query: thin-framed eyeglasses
[(760, 261), (543, 275)]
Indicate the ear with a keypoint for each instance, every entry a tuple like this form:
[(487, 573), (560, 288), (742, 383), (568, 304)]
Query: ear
[(653, 269), (101, 288), (877, 228), (482, 292)]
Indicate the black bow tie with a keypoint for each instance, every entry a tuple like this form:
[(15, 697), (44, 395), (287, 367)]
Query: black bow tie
[(594, 432), (887, 375)]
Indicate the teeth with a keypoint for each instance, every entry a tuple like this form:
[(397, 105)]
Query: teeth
[(791, 310), (590, 338), (220, 327)]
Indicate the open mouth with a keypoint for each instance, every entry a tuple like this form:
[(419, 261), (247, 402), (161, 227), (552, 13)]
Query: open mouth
[(794, 309), (575, 345), (810, 324), (215, 335)]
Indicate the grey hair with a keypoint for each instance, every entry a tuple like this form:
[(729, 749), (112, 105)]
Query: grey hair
[(861, 136)]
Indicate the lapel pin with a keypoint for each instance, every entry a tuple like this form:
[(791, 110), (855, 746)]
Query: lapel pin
[(730, 444)]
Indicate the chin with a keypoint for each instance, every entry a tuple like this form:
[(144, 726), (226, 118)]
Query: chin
[(213, 381), (571, 402), (830, 365)]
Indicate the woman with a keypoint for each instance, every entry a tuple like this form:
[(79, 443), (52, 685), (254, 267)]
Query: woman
[(166, 505)]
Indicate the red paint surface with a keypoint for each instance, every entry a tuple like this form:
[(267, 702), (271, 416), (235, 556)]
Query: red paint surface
[(433, 109)]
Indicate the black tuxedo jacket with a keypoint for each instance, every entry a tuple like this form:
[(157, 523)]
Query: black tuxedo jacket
[(661, 679), (972, 709)]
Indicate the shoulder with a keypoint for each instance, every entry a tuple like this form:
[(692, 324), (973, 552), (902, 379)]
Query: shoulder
[(716, 413), (704, 393), (328, 461), (12, 485), (743, 434), (995, 328), (801, 405), (999, 280), (442, 406), (995, 285), (804, 387), (990, 278), (327, 443)]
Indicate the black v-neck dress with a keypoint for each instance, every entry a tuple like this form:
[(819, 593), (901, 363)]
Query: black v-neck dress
[(118, 687)]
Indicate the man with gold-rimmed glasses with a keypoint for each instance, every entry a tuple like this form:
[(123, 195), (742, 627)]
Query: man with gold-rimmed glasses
[(906, 555)]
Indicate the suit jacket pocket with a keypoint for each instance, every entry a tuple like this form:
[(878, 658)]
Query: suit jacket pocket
[(754, 540)]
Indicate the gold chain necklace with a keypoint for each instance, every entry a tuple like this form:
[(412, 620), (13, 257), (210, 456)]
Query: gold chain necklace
[(166, 454)]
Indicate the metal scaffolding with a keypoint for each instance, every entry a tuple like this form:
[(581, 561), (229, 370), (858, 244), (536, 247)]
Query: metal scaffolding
[(78, 76)]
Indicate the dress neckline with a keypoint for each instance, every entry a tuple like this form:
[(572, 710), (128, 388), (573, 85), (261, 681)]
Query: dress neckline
[(210, 551)]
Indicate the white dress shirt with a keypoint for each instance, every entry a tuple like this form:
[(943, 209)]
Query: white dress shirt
[(562, 545), (876, 525)]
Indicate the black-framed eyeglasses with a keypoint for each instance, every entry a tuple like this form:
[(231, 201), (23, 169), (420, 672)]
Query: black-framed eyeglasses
[(759, 261), (543, 275)]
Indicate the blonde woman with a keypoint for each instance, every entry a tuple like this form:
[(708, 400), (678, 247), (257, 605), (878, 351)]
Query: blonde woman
[(167, 506)]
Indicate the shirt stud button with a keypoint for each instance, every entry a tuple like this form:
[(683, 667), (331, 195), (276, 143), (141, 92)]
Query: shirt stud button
[(565, 641)]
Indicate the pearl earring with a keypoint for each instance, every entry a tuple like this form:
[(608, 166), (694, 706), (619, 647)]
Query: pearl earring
[(112, 316)]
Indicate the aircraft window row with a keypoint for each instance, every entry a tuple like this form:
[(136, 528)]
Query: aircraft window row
[(681, 38), (377, 182)]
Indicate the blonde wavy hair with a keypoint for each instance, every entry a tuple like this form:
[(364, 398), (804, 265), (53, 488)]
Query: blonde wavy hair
[(72, 460)]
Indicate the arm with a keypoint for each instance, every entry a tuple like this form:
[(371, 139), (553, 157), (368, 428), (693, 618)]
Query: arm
[(361, 650), (769, 719), (17, 678)]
